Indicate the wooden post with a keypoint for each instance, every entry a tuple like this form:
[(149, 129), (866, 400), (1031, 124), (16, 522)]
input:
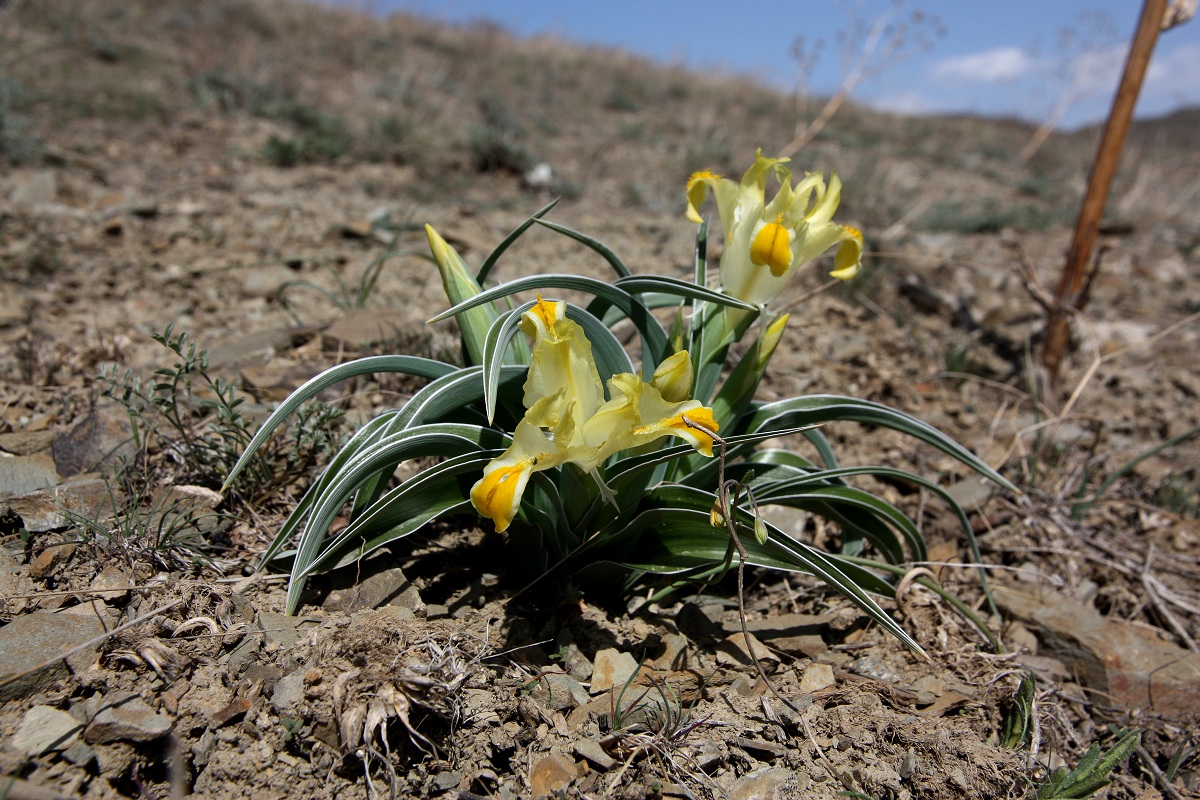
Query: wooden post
[(1068, 296)]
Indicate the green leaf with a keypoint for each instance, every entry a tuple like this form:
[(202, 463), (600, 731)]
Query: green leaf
[(608, 255), (436, 491), (485, 269), (361, 438), (654, 339), (674, 287), (672, 540), (815, 409), (411, 365), (460, 286), (382, 455)]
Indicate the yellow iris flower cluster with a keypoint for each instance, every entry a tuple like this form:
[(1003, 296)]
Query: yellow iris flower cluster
[(567, 419), (766, 242)]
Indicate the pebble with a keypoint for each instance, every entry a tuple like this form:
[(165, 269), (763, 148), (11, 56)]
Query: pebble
[(127, 719), (552, 773), (611, 668), (45, 728), (817, 677)]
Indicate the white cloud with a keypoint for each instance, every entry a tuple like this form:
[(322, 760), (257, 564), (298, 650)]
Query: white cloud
[(989, 66), (902, 102), (1175, 71)]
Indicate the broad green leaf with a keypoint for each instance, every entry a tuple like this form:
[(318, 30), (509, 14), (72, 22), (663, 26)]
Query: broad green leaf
[(362, 437), (816, 409), (411, 365), (382, 455), (667, 540), (460, 285)]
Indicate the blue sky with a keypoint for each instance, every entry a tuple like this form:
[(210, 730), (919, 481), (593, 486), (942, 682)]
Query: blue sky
[(1002, 58)]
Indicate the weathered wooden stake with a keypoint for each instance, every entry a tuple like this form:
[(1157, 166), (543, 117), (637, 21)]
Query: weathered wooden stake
[(1069, 295)]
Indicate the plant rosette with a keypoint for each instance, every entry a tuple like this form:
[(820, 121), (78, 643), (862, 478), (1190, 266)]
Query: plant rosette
[(550, 430)]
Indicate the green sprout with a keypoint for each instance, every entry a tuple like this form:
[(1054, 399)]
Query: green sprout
[(607, 472)]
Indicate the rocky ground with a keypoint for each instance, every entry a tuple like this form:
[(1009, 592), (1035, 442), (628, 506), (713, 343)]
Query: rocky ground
[(154, 175)]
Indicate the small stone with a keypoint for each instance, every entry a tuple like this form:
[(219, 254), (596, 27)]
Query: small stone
[(770, 783), (289, 690), (242, 653), (611, 668), (817, 677), (127, 719), (560, 692), (21, 475), (552, 773), (595, 754), (100, 438), (972, 493), (576, 663), (49, 561), (358, 229), (699, 620), (79, 753), (112, 584), (45, 728), (41, 187), (771, 750), (445, 781), (674, 653), (871, 667), (279, 629), (381, 587), (266, 281), (732, 650), (235, 709)]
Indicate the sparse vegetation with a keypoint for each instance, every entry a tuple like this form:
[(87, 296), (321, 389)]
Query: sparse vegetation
[(147, 140)]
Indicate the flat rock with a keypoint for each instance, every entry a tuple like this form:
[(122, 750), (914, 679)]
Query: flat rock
[(732, 650), (289, 690), (591, 750), (24, 474), (1122, 663), (40, 187), (552, 773), (26, 443), (49, 509), (127, 719), (33, 639), (362, 326), (266, 281), (769, 783), (381, 587), (99, 438), (611, 668), (45, 728)]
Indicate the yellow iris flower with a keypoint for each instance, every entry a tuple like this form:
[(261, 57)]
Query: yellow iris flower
[(766, 242), (563, 393)]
